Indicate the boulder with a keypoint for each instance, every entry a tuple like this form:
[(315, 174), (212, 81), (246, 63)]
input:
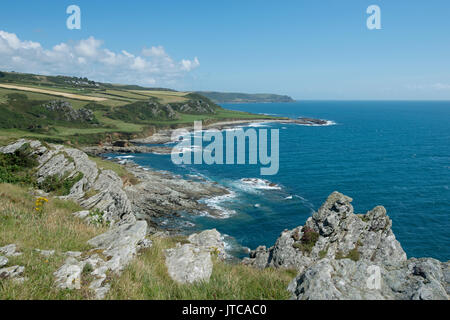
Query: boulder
[(10, 250), (189, 263), (211, 240), (11, 272)]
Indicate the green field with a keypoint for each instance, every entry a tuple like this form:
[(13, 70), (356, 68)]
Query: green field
[(126, 112)]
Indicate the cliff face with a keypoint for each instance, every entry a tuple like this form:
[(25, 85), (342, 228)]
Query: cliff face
[(342, 255)]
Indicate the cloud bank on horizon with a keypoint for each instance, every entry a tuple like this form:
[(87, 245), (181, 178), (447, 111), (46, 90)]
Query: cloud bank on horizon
[(89, 58)]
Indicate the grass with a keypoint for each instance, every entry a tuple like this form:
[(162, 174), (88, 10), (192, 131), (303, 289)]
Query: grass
[(51, 92), (147, 278), (55, 229), (26, 117)]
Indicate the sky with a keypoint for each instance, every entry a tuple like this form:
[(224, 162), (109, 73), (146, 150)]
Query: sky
[(306, 49)]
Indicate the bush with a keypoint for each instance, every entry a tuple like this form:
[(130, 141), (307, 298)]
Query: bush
[(307, 241), (16, 167), (60, 185)]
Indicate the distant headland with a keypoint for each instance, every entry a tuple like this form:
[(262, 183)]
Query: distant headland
[(233, 97)]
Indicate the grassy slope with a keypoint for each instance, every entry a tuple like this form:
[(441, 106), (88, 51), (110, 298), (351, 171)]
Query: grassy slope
[(57, 229), (115, 95), (145, 278)]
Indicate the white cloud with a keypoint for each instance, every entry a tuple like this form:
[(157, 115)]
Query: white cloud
[(88, 58)]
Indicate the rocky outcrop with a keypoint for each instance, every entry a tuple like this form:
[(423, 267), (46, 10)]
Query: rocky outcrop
[(160, 194), (154, 195), (64, 162), (192, 262), (342, 255), (334, 232), (113, 250), (63, 110), (415, 279)]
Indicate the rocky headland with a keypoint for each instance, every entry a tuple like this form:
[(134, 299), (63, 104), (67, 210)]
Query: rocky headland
[(341, 255), (337, 254)]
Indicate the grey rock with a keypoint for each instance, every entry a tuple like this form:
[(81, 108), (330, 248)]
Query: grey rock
[(73, 254), (46, 253), (120, 243), (3, 261), (118, 247), (10, 250), (210, 240), (11, 272), (330, 279), (339, 233), (81, 214), (19, 280), (189, 263), (68, 276)]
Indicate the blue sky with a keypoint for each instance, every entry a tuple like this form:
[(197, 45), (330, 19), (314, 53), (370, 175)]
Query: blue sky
[(306, 49)]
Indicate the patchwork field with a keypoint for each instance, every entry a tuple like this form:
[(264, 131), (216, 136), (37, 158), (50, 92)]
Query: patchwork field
[(80, 111)]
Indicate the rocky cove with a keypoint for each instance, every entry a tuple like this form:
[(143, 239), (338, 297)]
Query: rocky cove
[(332, 252)]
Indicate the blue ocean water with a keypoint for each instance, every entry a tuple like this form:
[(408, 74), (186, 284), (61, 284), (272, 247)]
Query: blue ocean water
[(395, 154)]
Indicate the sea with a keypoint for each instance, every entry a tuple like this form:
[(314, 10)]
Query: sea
[(390, 153)]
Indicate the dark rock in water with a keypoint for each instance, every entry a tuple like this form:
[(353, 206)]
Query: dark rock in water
[(311, 121), (336, 251)]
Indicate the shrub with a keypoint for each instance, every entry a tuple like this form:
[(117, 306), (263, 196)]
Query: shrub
[(307, 241), (60, 185), (95, 218), (16, 167)]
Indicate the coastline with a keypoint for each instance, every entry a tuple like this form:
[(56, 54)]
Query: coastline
[(163, 136)]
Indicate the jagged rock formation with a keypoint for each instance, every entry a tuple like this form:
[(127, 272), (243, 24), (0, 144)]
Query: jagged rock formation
[(66, 112), (415, 279), (196, 106), (155, 195), (336, 253), (192, 262), (64, 162)]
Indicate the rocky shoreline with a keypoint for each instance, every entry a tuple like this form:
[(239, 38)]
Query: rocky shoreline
[(164, 136), (337, 254)]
